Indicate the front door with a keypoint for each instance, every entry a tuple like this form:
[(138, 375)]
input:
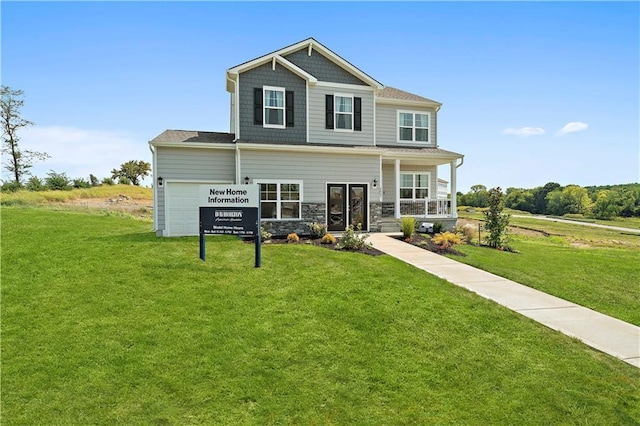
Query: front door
[(346, 205)]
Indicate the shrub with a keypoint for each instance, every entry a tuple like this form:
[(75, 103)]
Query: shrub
[(328, 239), (57, 181), (123, 180), (438, 227), (10, 186), (466, 232), (446, 239), (264, 234), (81, 183), (351, 240), (318, 230), (293, 238), (108, 181), (35, 184), (408, 226)]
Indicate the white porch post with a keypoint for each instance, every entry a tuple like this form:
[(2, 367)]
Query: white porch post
[(397, 173), (454, 201)]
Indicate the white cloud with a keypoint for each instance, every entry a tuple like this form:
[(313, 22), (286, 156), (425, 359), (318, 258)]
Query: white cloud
[(523, 131), (79, 152), (572, 127)]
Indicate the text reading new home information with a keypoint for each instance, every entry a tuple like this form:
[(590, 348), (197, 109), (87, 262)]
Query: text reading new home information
[(228, 196)]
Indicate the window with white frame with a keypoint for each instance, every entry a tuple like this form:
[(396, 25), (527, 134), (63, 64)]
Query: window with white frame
[(274, 107), (280, 200), (343, 112), (413, 126), (414, 186)]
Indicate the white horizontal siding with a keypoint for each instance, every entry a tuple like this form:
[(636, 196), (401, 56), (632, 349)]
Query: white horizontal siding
[(315, 170), (317, 131), (387, 122), (203, 165)]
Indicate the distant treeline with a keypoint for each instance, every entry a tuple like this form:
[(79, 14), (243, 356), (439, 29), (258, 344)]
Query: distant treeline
[(600, 202)]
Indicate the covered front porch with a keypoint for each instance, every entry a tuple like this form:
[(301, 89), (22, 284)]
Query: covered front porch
[(410, 186)]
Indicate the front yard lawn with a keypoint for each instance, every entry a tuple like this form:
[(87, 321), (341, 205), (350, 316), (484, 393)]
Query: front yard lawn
[(104, 323)]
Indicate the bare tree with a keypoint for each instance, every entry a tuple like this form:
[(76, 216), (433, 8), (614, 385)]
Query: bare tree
[(19, 160)]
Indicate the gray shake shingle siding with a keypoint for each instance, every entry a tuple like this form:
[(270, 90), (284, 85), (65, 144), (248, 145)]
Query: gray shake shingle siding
[(264, 75), (322, 68)]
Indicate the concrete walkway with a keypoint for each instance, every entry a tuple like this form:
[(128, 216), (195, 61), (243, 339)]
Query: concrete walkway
[(607, 334), (577, 222)]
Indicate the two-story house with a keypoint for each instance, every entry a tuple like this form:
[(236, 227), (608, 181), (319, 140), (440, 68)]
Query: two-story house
[(324, 141)]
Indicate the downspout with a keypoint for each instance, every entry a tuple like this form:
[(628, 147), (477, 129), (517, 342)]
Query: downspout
[(154, 163), (236, 132)]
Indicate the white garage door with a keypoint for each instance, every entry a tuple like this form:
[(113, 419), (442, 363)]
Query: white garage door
[(183, 208)]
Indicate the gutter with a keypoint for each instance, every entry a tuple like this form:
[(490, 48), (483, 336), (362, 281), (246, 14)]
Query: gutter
[(155, 186)]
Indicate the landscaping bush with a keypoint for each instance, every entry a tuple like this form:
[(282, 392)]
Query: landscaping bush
[(496, 220), (408, 226), (466, 232), (328, 239), (264, 234), (438, 227), (446, 239), (293, 238), (318, 230), (351, 240)]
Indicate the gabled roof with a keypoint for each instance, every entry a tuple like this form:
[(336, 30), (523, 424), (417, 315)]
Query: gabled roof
[(189, 136), (396, 96), (311, 44)]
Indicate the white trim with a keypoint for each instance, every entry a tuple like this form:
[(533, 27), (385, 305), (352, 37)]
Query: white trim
[(311, 148), (283, 108), (413, 127), (307, 110), (344, 86), (278, 200), (203, 145), (336, 112), (380, 181), (375, 134), (237, 95), (397, 177), (409, 103), (232, 73), (316, 46), (154, 164)]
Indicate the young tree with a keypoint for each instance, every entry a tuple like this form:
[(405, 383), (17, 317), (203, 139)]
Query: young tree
[(19, 161), (132, 170), (496, 219)]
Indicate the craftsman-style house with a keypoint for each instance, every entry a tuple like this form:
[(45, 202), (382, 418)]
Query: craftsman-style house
[(324, 141)]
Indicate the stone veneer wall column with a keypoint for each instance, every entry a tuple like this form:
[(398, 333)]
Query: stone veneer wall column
[(311, 212), (375, 217)]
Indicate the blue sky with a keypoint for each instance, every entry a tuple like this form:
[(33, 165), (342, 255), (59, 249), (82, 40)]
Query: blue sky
[(103, 78)]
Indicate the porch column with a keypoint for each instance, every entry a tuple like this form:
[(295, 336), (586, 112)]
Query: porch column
[(454, 201), (397, 173)]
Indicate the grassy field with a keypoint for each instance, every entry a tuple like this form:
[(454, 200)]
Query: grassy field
[(103, 323), (32, 198)]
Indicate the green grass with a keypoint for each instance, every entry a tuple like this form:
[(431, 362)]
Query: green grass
[(103, 323), (604, 279), (32, 198)]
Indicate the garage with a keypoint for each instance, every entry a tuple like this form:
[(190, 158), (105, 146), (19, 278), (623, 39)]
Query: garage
[(183, 201)]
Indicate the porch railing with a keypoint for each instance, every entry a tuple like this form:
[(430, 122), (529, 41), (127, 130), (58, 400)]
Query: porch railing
[(428, 207)]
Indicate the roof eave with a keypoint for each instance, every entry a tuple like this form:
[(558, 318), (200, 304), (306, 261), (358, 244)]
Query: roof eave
[(407, 102)]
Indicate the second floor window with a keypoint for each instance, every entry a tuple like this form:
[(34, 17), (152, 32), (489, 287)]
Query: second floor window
[(413, 126), (274, 107), (344, 112)]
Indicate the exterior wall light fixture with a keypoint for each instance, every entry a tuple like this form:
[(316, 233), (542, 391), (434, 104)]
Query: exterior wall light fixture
[(160, 182), (246, 180), (375, 182)]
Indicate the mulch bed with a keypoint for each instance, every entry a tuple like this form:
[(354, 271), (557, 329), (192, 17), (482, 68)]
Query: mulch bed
[(424, 242), (317, 242)]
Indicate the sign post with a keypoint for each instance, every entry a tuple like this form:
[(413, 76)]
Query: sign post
[(230, 210)]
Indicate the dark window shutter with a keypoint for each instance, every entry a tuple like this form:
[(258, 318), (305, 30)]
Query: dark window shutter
[(329, 111), (289, 108), (257, 105), (357, 114)]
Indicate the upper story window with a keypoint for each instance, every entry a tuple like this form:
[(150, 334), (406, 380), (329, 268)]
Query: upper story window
[(414, 186), (280, 199), (413, 126), (273, 107), (343, 112)]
